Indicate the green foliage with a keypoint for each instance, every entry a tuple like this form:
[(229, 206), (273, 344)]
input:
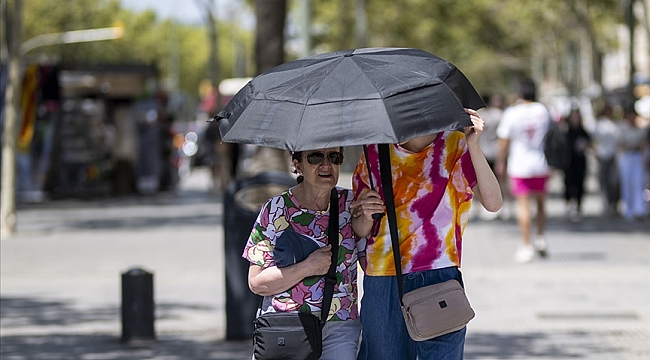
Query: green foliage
[(491, 41), (147, 39), (44, 17)]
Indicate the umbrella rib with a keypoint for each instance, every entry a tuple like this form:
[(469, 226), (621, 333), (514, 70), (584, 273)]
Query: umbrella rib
[(453, 92), (394, 135), (369, 80), (408, 88), (302, 113), (309, 95)]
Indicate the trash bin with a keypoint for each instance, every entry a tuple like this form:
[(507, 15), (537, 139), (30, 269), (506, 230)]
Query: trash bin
[(242, 202), (137, 305)]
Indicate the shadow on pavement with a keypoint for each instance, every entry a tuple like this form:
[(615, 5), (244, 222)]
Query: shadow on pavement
[(133, 212), (156, 199), (565, 345), (17, 312), (599, 224), (85, 347), (588, 224), (478, 346), (141, 222), (33, 313)]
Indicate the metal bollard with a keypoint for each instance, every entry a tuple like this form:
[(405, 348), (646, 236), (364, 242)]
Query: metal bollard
[(137, 305)]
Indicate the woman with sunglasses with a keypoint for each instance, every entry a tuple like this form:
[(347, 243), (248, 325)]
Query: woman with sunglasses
[(304, 210)]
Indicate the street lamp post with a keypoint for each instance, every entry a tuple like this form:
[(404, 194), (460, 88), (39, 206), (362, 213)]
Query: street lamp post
[(12, 104)]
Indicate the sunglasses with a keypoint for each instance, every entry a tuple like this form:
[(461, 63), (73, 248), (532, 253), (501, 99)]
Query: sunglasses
[(317, 157)]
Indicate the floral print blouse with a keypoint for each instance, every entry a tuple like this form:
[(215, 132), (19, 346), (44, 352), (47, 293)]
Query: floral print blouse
[(284, 211)]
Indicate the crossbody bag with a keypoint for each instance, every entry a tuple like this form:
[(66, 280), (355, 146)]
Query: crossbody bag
[(429, 311), (299, 336)]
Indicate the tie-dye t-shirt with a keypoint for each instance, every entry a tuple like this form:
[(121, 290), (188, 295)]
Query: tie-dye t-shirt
[(433, 193), (284, 211)]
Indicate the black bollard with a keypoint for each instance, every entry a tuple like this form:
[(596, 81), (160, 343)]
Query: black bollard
[(137, 306)]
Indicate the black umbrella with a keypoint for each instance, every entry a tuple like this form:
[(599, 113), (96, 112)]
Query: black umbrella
[(352, 97)]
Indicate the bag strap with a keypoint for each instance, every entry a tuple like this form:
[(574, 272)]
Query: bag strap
[(332, 239), (376, 216), (389, 201)]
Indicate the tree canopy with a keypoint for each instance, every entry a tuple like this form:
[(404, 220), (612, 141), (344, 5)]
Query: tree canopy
[(491, 41), (147, 40)]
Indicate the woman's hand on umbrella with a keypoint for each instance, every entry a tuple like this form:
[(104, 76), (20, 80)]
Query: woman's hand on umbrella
[(367, 204), (472, 132)]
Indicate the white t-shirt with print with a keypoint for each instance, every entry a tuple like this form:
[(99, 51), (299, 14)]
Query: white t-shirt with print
[(525, 125)]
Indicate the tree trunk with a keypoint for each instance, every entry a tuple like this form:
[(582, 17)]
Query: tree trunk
[(269, 52), (269, 37), (581, 10), (12, 113), (631, 24)]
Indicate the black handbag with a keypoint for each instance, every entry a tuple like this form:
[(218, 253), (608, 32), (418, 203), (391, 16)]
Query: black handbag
[(287, 336), (299, 336)]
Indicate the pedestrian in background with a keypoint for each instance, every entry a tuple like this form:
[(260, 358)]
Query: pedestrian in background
[(521, 157), (631, 166), (646, 191), (574, 175), (605, 141), (488, 141)]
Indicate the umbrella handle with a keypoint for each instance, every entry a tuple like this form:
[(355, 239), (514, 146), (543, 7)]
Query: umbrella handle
[(377, 223), (377, 216), (365, 152)]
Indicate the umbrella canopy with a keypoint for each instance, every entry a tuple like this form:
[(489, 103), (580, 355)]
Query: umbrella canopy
[(352, 97)]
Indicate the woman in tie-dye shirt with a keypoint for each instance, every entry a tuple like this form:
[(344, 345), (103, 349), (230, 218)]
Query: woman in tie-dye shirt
[(435, 178)]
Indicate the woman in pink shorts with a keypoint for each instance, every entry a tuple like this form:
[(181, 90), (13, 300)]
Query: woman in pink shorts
[(521, 133), (525, 189), (528, 186)]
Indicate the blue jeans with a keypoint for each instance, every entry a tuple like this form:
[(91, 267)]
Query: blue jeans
[(384, 334), (341, 340)]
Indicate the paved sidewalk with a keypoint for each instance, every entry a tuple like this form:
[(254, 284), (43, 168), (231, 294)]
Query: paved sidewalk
[(60, 282)]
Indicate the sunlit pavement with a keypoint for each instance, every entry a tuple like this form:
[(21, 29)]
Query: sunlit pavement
[(60, 282)]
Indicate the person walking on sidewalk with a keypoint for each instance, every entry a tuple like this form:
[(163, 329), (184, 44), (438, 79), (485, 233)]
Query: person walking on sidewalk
[(489, 144), (521, 133), (303, 210), (434, 179), (631, 165), (606, 137), (574, 175)]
